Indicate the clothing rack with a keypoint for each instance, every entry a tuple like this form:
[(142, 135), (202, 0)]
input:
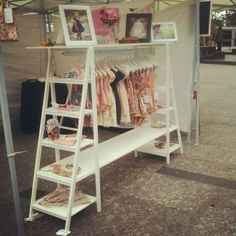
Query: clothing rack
[(141, 139)]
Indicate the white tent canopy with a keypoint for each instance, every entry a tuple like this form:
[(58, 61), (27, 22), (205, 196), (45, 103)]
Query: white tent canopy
[(50, 5)]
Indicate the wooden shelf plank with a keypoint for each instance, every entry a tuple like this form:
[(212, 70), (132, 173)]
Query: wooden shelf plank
[(65, 113), (60, 212), (164, 110), (103, 46), (151, 149), (52, 144), (60, 80)]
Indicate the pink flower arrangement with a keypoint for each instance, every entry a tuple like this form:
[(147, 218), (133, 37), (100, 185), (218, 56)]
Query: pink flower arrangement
[(109, 16)]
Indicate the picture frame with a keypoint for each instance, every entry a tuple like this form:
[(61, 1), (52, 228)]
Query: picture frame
[(138, 25), (164, 31), (77, 25)]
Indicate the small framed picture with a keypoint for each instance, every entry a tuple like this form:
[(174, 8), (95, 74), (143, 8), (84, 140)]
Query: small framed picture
[(164, 31), (77, 25), (138, 25)]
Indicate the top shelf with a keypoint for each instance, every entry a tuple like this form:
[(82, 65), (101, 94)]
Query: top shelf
[(104, 46)]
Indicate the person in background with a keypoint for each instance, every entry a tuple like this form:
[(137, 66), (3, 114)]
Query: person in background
[(219, 38)]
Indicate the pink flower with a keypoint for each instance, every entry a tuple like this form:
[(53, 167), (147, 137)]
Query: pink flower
[(112, 14), (109, 16)]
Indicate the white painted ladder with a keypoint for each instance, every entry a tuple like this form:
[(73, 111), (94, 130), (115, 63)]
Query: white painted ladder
[(65, 213), (169, 109)]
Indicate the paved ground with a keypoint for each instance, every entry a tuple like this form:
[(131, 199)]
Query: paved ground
[(194, 195)]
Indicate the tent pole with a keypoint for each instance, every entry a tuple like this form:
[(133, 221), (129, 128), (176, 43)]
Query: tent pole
[(197, 72), (10, 148)]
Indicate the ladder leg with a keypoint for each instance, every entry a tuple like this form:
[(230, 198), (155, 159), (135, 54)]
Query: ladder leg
[(175, 113), (39, 147), (98, 191), (70, 206), (32, 216), (168, 159), (95, 131)]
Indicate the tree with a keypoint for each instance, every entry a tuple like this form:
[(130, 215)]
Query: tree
[(224, 18), (230, 17)]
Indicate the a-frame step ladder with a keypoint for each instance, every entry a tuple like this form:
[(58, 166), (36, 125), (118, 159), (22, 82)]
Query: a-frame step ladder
[(66, 212), (166, 115)]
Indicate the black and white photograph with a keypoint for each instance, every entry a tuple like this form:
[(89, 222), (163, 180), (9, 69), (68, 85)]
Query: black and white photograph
[(77, 25)]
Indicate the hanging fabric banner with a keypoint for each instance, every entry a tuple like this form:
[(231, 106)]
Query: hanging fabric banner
[(8, 29)]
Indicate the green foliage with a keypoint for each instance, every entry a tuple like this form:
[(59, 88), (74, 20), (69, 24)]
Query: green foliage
[(224, 18), (230, 17)]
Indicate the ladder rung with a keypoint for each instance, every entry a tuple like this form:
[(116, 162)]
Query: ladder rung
[(66, 113), (58, 80), (53, 144), (163, 88), (164, 110), (68, 128)]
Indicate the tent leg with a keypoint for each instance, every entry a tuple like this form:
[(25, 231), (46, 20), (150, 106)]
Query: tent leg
[(10, 148), (197, 78)]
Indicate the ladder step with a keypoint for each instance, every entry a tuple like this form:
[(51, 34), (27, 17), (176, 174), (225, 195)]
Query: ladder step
[(151, 149), (59, 80), (53, 144), (66, 113), (61, 212), (47, 173), (164, 110), (172, 128), (68, 128)]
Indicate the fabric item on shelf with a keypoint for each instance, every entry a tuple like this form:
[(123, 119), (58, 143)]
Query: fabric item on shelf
[(60, 198), (158, 124), (160, 144), (76, 72), (68, 140), (66, 107), (62, 169)]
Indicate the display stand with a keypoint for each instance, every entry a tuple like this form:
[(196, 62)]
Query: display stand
[(170, 108), (66, 212), (95, 157), (10, 148)]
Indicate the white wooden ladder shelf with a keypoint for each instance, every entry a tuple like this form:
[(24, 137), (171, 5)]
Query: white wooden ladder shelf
[(94, 157), (46, 173)]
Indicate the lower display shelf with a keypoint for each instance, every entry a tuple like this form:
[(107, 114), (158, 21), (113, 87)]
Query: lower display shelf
[(151, 149), (108, 151), (61, 212)]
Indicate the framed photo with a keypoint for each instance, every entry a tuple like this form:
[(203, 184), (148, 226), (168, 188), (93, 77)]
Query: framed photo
[(164, 31), (77, 25), (107, 24), (138, 25)]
